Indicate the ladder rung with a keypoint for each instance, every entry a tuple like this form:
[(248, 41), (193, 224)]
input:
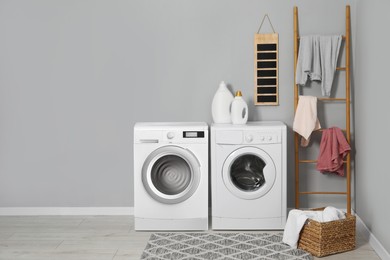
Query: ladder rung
[(312, 161), (321, 130), (341, 68), (307, 161), (323, 192), (343, 36), (333, 99)]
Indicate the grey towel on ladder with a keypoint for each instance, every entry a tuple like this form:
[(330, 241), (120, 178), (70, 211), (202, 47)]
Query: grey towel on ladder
[(309, 63), (317, 60), (329, 49)]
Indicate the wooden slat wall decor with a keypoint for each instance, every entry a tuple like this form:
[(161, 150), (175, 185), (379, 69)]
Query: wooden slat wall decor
[(266, 69)]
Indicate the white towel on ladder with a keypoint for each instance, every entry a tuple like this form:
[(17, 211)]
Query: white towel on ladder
[(305, 120)]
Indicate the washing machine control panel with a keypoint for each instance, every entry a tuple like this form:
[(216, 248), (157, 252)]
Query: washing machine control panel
[(178, 136), (254, 137), (184, 134)]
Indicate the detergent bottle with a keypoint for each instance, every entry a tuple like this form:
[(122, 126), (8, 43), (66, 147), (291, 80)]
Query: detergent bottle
[(239, 110), (220, 107)]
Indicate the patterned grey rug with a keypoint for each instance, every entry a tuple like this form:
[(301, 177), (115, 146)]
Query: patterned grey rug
[(218, 246)]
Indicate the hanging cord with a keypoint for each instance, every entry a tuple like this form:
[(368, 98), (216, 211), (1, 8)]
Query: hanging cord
[(266, 15)]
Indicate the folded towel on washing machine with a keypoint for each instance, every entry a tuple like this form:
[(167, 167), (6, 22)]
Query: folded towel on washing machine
[(297, 219), (305, 120)]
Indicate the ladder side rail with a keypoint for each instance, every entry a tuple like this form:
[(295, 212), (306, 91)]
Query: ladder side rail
[(348, 101), (296, 96)]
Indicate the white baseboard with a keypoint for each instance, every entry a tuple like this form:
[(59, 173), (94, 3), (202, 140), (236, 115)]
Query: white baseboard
[(34, 211), (363, 230)]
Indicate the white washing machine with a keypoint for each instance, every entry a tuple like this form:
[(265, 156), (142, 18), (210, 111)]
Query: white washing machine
[(171, 176), (248, 176)]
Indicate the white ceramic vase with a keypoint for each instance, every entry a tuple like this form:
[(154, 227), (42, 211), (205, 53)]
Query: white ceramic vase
[(239, 113), (220, 107)]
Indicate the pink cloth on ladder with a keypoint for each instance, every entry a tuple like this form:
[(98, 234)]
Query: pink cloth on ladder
[(333, 148)]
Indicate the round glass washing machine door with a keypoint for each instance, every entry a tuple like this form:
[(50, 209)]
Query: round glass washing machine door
[(249, 173), (171, 174)]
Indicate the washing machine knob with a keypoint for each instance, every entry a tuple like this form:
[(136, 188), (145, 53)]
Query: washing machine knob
[(262, 138), (269, 138), (170, 135), (249, 138)]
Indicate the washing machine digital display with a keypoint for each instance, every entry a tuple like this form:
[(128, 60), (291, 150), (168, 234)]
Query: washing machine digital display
[(193, 134), (246, 172)]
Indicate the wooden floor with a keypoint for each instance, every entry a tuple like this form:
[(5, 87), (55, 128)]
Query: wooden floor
[(92, 237)]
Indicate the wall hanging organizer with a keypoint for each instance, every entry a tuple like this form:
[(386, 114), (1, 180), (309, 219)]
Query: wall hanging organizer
[(266, 67)]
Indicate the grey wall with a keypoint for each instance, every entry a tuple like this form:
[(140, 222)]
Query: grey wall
[(76, 75), (372, 124)]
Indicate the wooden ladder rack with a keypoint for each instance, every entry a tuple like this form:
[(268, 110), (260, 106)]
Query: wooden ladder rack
[(347, 100)]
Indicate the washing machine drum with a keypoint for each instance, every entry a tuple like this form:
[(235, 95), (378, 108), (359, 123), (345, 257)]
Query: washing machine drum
[(246, 172), (249, 173), (171, 174)]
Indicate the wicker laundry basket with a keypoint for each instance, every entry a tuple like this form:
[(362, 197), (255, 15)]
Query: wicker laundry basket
[(326, 238)]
